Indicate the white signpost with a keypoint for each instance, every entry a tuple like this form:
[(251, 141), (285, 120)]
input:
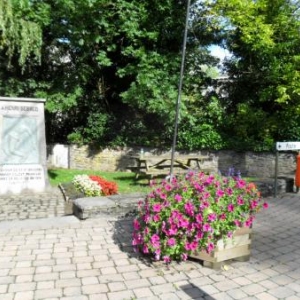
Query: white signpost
[(284, 146), (287, 146)]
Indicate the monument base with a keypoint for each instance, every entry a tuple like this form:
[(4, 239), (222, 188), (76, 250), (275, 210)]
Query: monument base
[(17, 178)]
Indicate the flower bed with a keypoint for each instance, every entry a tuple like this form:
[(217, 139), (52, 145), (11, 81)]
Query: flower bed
[(192, 213), (93, 186)]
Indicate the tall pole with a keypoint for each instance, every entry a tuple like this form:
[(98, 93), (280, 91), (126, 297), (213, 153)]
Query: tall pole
[(180, 88)]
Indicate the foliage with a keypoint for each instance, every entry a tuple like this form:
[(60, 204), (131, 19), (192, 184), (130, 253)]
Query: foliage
[(110, 70), (93, 185), (263, 84), (192, 213), (20, 29)]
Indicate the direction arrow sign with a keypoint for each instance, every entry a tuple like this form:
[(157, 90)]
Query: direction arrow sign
[(283, 146)]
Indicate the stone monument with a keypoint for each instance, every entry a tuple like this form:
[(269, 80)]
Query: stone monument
[(22, 145)]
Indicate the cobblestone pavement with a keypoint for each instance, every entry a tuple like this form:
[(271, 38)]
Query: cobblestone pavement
[(32, 206), (64, 258)]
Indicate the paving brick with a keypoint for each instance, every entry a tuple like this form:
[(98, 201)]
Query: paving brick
[(61, 283), (120, 295), (116, 286), (50, 293), (89, 280), (282, 292), (21, 287), (253, 289), (265, 296), (3, 288), (94, 289), (72, 291), (24, 295)]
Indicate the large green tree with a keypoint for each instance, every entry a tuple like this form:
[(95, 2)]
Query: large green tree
[(263, 101)]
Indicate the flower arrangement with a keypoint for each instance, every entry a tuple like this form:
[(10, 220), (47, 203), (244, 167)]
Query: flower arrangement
[(193, 212), (92, 185)]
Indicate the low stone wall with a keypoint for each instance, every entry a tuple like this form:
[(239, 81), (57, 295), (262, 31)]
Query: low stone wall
[(251, 164)]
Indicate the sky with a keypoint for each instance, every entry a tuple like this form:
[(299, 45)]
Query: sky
[(219, 51)]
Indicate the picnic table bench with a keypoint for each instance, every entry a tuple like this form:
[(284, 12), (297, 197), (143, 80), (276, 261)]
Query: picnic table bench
[(160, 165)]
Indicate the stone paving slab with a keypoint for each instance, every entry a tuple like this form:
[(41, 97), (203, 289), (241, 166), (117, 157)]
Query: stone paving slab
[(93, 259)]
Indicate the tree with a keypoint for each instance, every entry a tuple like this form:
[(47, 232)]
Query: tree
[(264, 85), (20, 29)]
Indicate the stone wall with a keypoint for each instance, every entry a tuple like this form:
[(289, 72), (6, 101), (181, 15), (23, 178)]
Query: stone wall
[(250, 164)]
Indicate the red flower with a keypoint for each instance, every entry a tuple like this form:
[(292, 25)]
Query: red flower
[(108, 187)]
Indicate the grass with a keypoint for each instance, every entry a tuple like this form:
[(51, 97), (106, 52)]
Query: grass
[(125, 180)]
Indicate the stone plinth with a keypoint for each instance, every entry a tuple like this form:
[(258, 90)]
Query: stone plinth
[(22, 145)]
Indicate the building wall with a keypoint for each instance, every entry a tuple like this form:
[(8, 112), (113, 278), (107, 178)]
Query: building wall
[(249, 164)]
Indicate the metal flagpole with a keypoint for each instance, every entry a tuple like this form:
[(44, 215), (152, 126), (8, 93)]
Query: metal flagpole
[(179, 88)]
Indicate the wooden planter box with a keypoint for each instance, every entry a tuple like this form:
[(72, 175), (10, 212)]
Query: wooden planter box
[(237, 247)]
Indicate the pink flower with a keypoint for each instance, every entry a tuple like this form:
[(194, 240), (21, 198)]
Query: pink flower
[(167, 259), (157, 254), (220, 193), (173, 230), (229, 234), (212, 217), (168, 187), (222, 216), (230, 207), (163, 196), (237, 223), (136, 224), (265, 205), (253, 204), (155, 240), (207, 227), (156, 218), (189, 208), (145, 249), (240, 201), (184, 256), (241, 184), (183, 223), (178, 198), (210, 247), (171, 242), (199, 218), (156, 207)]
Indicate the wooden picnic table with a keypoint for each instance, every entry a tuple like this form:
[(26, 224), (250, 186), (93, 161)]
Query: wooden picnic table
[(161, 165)]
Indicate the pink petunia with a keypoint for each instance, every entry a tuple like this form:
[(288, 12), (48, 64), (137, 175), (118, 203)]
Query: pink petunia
[(136, 224), (240, 200), (230, 207), (167, 259), (145, 249), (189, 208), (184, 256), (156, 218), (253, 204), (207, 227), (156, 207), (210, 247), (199, 218), (168, 187), (171, 242), (220, 193), (183, 223), (265, 205), (178, 198), (212, 217)]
